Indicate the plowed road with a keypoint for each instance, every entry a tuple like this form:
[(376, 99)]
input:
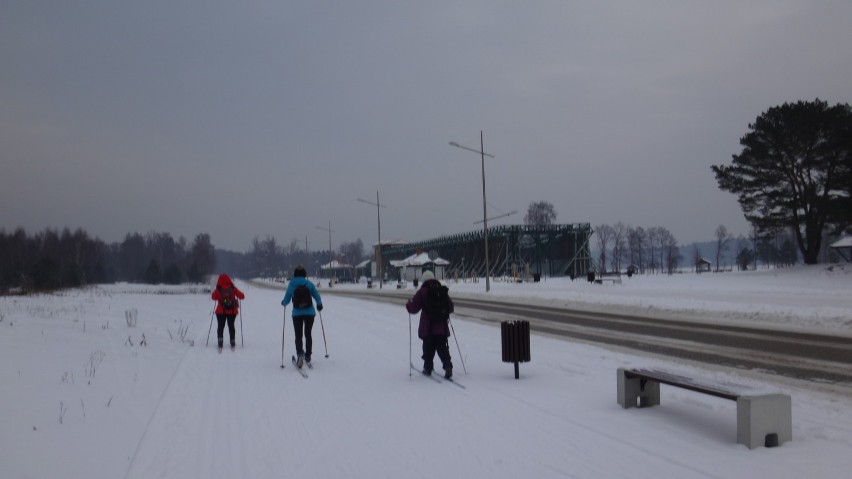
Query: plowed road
[(806, 356)]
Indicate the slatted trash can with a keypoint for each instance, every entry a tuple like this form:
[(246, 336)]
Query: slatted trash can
[(516, 343)]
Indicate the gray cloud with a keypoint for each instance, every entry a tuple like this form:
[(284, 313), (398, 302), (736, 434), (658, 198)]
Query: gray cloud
[(270, 118)]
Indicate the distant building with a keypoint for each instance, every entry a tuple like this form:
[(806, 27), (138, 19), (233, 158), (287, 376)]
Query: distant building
[(703, 266), (843, 247)]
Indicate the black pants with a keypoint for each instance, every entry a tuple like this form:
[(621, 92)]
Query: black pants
[(220, 329), (438, 344), (306, 324)]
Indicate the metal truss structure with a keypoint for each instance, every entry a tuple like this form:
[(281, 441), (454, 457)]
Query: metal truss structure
[(514, 250)]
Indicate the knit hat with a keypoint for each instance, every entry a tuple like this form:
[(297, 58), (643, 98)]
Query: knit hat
[(426, 276), (300, 271)]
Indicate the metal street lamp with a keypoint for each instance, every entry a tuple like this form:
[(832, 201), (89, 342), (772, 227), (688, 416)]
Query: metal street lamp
[(330, 254), (496, 217), (483, 154), (379, 250)]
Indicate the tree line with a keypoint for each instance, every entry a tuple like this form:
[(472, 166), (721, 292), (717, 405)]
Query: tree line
[(619, 246), (655, 250), (776, 250), (53, 259), (647, 250), (268, 259)]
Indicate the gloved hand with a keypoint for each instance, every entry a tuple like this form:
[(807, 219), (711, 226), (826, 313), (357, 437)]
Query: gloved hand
[(283, 303), (319, 307)]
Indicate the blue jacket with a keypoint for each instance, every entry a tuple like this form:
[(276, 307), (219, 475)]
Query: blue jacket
[(291, 286)]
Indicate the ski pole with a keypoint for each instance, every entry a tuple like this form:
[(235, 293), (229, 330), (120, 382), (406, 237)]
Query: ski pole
[(410, 361), (211, 326), (242, 339), (457, 345), (283, 328), (323, 335)]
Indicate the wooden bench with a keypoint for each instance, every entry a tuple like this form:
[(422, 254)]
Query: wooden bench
[(763, 419), (612, 279)]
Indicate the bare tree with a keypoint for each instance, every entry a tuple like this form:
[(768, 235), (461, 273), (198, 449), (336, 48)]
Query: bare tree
[(654, 239), (637, 240), (723, 238), (353, 252), (604, 234), (670, 252), (619, 245), (293, 247), (203, 257), (540, 213), (265, 256)]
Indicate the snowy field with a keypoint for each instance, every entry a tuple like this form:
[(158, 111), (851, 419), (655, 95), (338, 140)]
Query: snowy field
[(88, 394)]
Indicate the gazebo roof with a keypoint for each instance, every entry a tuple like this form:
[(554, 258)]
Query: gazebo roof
[(334, 264), (419, 260), (845, 242)]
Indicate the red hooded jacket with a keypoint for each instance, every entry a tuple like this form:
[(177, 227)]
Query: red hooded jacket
[(223, 283)]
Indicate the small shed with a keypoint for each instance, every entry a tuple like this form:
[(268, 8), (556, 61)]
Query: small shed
[(843, 247), (703, 266)]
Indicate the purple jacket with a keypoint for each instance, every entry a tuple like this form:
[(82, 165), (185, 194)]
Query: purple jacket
[(427, 327)]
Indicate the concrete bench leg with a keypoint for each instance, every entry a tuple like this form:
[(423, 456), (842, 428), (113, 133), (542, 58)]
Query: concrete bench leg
[(632, 394), (764, 420)]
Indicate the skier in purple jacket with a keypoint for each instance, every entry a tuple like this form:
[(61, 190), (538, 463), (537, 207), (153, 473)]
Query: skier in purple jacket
[(433, 332)]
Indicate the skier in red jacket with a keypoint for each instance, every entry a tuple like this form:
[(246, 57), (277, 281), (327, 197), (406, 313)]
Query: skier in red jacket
[(227, 308)]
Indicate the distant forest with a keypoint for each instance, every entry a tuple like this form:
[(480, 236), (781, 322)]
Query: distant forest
[(268, 259), (55, 259)]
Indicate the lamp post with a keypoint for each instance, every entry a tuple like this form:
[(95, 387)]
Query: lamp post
[(330, 254), (495, 218), (483, 154), (379, 250)]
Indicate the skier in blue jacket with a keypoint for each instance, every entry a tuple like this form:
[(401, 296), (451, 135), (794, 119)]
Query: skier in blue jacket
[(300, 290)]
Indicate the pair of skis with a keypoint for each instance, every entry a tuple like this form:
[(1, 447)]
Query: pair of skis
[(301, 369), (437, 378)]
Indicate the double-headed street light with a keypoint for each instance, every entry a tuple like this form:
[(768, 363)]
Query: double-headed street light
[(497, 217), (379, 249), (483, 154)]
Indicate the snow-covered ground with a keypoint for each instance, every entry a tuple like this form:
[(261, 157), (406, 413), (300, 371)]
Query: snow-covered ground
[(84, 398)]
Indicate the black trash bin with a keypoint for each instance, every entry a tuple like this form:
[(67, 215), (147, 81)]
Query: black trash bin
[(590, 276), (515, 337), (536, 277)]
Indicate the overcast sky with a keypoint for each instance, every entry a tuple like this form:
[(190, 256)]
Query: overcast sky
[(257, 118)]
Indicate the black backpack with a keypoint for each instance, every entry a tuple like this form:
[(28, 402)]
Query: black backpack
[(227, 298), (302, 297), (437, 304)]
